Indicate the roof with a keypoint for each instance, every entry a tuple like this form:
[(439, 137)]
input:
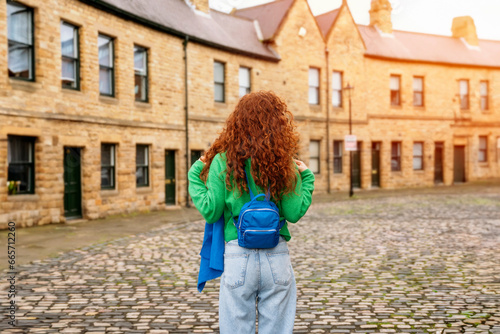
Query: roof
[(403, 45), (223, 31), (269, 15), (325, 21)]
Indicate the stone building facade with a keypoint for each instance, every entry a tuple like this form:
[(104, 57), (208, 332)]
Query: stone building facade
[(104, 103)]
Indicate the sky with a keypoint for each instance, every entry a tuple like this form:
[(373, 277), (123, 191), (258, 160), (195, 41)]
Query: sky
[(427, 16)]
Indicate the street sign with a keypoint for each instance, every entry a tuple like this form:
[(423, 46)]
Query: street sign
[(351, 143)]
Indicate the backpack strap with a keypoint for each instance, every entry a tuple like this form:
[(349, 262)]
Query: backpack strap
[(268, 194)]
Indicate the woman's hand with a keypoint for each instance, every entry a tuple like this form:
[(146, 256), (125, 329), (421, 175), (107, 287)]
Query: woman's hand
[(302, 166)]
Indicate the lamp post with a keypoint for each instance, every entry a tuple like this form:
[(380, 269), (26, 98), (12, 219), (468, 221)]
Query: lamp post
[(349, 88)]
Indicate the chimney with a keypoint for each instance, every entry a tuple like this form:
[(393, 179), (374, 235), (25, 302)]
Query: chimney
[(380, 15), (464, 27), (201, 5)]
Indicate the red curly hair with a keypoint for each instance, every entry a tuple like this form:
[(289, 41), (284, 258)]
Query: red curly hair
[(262, 128)]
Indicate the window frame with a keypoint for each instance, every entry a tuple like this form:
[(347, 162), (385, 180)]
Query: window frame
[(338, 91), (485, 97), (482, 149), (421, 157), (31, 47), (145, 76), (223, 83), (249, 88), (142, 166), (30, 164), (398, 76), (396, 157), (317, 88), (112, 167), (111, 68), (467, 95), (75, 60), (318, 157), (421, 92), (338, 156)]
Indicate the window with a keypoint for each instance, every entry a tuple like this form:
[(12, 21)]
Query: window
[(337, 156), (106, 66), (418, 156), (107, 166), (21, 166), (418, 91), (395, 86), (141, 73), (396, 156), (70, 65), (314, 156), (20, 35), (313, 86), (244, 81), (219, 81), (464, 94), (483, 87), (337, 89), (142, 166), (483, 149)]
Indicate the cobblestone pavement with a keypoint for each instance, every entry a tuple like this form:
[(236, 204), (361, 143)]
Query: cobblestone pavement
[(404, 264)]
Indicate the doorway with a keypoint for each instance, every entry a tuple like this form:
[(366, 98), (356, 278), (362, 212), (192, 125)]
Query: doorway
[(438, 162), (356, 166), (170, 177), (376, 164), (72, 182), (459, 164)]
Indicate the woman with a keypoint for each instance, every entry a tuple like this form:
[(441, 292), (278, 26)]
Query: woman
[(260, 138)]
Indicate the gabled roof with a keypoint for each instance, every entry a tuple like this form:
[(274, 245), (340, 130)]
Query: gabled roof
[(326, 20), (219, 30), (270, 16), (413, 46)]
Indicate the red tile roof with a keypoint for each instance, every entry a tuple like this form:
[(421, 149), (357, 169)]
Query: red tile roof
[(420, 47), (269, 15), (326, 20), (218, 30)]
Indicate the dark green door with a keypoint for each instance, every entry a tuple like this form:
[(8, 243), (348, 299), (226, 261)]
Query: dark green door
[(459, 164), (72, 182), (438, 163), (195, 155), (356, 167), (376, 164), (170, 177)]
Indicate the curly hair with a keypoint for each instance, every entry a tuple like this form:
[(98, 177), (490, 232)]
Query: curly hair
[(261, 128)]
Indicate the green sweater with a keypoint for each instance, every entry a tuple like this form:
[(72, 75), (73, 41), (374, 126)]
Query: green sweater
[(213, 199)]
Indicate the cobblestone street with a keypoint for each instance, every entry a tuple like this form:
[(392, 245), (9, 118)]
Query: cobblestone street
[(426, 263)]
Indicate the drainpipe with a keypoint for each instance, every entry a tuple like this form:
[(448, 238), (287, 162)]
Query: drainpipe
[(327, 119), (186, 109)]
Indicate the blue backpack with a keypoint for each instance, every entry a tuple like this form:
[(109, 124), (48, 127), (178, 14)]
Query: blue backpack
[(259, 222)]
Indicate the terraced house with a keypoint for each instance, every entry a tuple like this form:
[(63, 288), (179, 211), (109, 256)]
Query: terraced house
[(105, 103)]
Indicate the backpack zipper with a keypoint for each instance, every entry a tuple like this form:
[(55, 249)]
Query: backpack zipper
[(241, 218)]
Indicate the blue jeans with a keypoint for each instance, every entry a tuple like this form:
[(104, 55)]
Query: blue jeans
[(262, 277)]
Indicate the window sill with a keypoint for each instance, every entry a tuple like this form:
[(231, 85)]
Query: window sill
[(23, 198), (419, 171), (420, 108), (396, 106), (109, 192), (220, 104), (338, 108), (484, 164), (143, 190), (108, 99), (142, 104), (71, 91), (27, 86)]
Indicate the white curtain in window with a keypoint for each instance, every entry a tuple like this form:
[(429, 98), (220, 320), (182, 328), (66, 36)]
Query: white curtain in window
[(244, 77), (464, 87), (19, 58), (105, 51), (140, 61), (484, 88), (105, 81), (394, 83), (313, 77), (19, 24), (417, 84), (218, 72), (68, 70), (68, 40), (337, 81)]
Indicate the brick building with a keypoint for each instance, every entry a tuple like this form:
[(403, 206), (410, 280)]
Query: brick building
[(105, 103)]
